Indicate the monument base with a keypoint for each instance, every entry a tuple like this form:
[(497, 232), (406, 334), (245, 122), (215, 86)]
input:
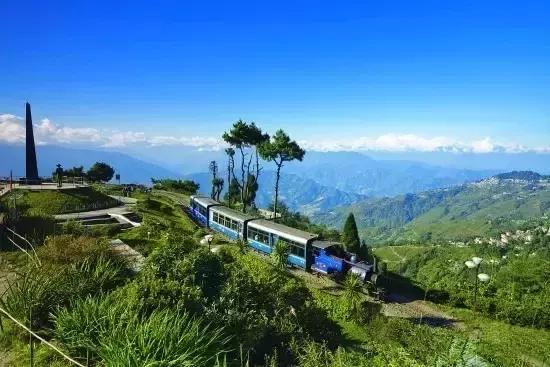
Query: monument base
[(30, 181)]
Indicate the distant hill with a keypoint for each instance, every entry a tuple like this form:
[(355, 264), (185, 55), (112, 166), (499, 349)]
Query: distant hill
[(349, 172), (132, 170), (360, 174), (298, 193), (462, 212)]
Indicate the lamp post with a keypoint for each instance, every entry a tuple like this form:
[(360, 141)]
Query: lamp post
[(207, 240), (475, 263)]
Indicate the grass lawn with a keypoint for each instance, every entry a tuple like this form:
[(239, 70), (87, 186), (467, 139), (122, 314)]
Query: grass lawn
[(394, 256), (51, 202), (159, 212), (505, 344)]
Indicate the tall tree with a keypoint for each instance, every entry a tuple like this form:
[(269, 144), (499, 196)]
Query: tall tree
[(100, 171), (350, 235), (245, 138), (233, 192), (218, 187), (251, 190), (280, 149), (230, 171), (213, 168)]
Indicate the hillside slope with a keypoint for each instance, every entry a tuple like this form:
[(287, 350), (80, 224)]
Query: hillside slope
[(462, 212), (298, 193), (51, 202), (360, 174)]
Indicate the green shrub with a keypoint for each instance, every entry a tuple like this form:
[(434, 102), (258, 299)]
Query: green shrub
[(68, 249), (82, 325), (163, 259), (114, 333), (34, 295), (280, 254), (39, 292), (267, 308), (165, 339), (151, 293)]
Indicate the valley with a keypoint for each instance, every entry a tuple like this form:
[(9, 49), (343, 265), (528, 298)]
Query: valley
[(458, 213)]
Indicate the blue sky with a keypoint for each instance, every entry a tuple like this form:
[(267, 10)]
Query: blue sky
[(359, 75)]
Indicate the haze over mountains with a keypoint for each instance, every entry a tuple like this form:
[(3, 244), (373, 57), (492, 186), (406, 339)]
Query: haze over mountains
[(323, 181), (131, 169)]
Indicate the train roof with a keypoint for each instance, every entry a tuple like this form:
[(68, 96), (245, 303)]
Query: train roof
[(234, 214), (205, 201), (280, 229), (325, 244)]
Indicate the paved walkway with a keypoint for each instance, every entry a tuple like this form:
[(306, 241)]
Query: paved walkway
[(94, 213), (135, 259), (48, 186), (118, 212), (4, 191), (124, 199)]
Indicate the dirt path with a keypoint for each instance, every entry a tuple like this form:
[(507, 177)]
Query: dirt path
[(419, 311), (401, 258)]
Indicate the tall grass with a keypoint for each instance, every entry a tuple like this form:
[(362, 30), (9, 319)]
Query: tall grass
[(33, 295), (38, 292), (163, 339), (82, 325), (114, 332)]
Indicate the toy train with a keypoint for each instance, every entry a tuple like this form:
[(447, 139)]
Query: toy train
[(307, 251)]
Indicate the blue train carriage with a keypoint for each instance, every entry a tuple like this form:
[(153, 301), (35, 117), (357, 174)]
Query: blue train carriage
[(200, 207), (229, 222), (263, 235), (329, 257)]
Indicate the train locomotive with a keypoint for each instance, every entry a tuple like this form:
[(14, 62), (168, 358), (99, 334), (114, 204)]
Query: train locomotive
[(307, 251)]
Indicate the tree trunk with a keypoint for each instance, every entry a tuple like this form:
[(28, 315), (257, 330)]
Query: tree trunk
[(278, 175), (228, 180), (257, 166), (213, 193), (243, 189)]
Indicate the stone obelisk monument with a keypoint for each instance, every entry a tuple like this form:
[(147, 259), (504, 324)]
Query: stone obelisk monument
[(31, 167)]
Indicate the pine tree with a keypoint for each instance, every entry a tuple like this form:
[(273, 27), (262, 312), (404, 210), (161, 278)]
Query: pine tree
[(350, 235), (280, 149)]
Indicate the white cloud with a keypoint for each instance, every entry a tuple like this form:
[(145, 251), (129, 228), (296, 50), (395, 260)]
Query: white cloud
[(122, 139), (483, 146), (46, 132), (12, 130), (410, 142), (204, 143)]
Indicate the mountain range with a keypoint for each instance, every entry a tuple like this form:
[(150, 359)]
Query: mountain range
[(298, 193), (359, 174), (386, 194), (130, 169), (461, 212)]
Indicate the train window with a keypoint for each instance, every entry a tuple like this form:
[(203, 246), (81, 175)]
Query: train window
[(227, 222), (258, 235), (295, 248)]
